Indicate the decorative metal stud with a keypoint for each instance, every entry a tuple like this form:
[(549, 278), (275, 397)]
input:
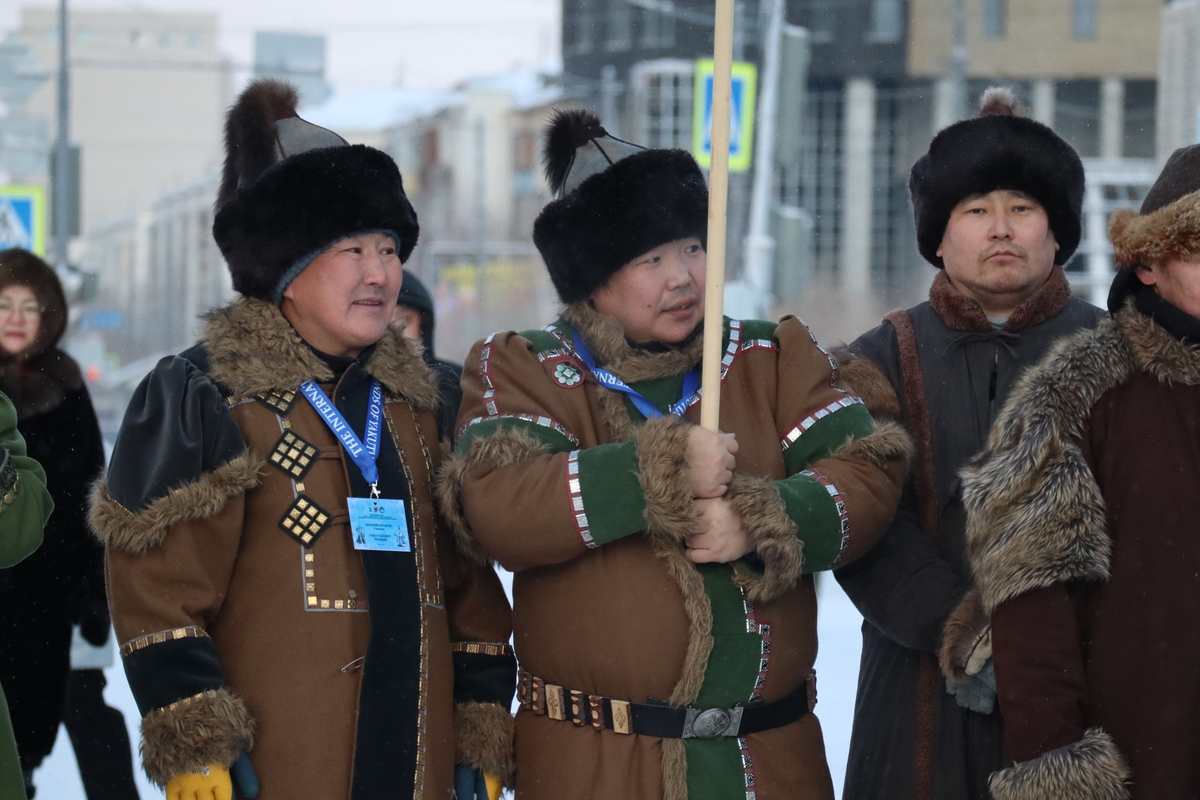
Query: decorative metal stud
[(279, 402), (294, 455), (305, 521)]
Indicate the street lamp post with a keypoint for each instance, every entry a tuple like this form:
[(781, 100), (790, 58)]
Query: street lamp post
[(62, 147)]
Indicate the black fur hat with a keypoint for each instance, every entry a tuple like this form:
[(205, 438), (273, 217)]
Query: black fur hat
[(290, 189), (999, 149), (616, 201)]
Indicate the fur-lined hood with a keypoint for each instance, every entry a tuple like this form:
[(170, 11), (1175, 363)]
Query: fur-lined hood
[(1035, 513), (253, 349), (605, 336)]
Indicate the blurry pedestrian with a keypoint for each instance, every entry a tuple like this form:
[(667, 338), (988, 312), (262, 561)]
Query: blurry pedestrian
[(414, 317), (24, 507), (60, 584), (997, 201)]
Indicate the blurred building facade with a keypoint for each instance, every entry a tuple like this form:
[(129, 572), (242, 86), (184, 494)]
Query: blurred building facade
[(24, 140), (1179, 77), (298, 58)]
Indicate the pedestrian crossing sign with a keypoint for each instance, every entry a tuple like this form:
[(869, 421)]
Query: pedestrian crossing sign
[(23, 218), (741, 114)]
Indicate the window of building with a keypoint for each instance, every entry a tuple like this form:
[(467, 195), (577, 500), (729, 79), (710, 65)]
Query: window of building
[(1077, 115), (662, 96), (579, 27), (1140, 132), (821, 18), (994, 14), (1083, 18), (887, 21), (658, 28), (620, 25)]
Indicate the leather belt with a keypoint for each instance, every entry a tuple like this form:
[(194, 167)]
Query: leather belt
[(660, 719)]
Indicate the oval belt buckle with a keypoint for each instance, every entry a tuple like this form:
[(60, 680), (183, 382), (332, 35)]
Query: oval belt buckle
[(712, 722)]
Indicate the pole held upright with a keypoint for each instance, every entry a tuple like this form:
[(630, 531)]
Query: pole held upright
[(718, 201)]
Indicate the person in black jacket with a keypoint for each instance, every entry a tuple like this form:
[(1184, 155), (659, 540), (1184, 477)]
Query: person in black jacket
[(414, 318), (62, 584)]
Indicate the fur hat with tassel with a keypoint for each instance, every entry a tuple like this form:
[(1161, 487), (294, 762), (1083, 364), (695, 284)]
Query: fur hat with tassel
[(290, 189), (616, 201), (999, 149)]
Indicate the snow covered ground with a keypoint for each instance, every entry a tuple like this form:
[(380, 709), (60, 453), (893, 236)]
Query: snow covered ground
[(837, 670)]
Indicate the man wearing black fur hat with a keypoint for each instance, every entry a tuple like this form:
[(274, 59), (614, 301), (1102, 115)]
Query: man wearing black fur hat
[(997, 201), (287, 599), (1082, 530), (664, 598)]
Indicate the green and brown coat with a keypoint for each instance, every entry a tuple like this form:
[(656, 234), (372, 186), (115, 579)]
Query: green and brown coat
[(565, 483), (248, 621)]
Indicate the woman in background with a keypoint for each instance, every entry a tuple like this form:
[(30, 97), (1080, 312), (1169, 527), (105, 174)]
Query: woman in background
[(62, 584)]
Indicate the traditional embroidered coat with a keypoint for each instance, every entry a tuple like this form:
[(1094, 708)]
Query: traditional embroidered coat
[(1082, 538), (566, 484), (248, 621), (945, 371)]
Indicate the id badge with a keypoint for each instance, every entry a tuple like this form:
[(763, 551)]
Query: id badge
[(378, 524)]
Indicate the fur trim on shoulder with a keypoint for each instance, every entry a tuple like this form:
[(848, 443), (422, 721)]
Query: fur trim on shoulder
[(213, 727), (772, 533), (1172, 231), (605, 336), (138, 533), (885, 446), (1158, 352), (1035, 516), (483, 739), (253, 349), (965, 630), (504, 447), (662, 446), (867, 381), (1090, 769)]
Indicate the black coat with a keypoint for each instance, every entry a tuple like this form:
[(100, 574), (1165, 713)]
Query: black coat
[(911, 739)]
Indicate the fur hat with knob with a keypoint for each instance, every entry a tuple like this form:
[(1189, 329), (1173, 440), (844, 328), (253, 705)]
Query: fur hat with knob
[(616, 201), (290, 189), (999, 149)]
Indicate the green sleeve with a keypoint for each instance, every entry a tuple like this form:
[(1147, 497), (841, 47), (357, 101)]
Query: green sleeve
[(819, 514), (25, 505), (612, 491)]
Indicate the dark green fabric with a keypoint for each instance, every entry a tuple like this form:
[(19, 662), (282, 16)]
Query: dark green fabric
[(714, 769), (827, 435), (481, 430), (820, 527), (542, 340), (662, 392), (612, 492), (758, 329)]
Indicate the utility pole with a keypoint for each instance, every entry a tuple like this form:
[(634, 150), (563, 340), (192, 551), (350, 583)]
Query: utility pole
[(62, 148), (958, 60)]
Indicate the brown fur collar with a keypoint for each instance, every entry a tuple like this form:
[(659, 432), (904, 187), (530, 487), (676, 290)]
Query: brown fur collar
[(138, 533), (1157, 351), (483, 739), (1091, 768), (605, 336), (964, 314), (1170, 232), (252, 350), (213, 727), (1035, 516)]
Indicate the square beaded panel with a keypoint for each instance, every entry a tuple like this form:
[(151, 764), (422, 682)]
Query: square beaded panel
[(305, 521), (294, 455), (279, 402)]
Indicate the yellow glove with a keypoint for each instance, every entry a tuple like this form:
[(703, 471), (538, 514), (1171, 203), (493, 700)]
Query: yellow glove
[(493, 786), (210, 783)]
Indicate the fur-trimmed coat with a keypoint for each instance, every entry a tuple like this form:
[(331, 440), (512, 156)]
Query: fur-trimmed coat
[(248, 621), (1082, 538), (945, 370), (565, 483)]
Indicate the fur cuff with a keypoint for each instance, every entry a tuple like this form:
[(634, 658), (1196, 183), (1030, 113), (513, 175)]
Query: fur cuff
[(504, 447), (967, 630), (868, 382), (771, 532), (1090, 769), (213, 727), (137, 533), (662, 471), (885, 446), (483, 739)]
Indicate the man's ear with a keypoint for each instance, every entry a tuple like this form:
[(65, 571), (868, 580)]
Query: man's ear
[(1147, 275)]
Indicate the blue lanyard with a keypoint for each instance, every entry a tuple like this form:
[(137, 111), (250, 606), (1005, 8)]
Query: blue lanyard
[(691, 382), (363, 454)]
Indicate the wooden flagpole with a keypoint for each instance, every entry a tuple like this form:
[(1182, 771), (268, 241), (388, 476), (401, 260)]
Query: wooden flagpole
[(718, 201)]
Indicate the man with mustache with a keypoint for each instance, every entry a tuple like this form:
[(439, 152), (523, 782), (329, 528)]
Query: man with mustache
[(997, 201), (664, 602), (288, 601)]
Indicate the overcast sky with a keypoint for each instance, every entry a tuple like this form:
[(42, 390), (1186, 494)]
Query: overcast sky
[(428, 44)]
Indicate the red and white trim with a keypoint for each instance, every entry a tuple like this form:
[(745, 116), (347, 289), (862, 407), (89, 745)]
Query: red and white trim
[(839, 500), (485, 374), (545, 422), (812, 419), (575, 491)]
